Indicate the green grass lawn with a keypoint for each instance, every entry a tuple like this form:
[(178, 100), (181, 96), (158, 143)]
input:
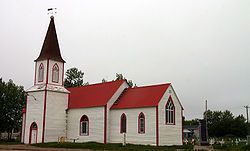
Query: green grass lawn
[(100, 146), (229, 147), (9, 142)]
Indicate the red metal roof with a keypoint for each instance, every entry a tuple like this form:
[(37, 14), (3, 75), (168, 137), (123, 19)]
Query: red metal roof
[(93, 95), (50, 48), (145, 96)]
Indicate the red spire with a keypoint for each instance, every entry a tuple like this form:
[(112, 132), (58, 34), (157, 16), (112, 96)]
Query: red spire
[(50, 48)]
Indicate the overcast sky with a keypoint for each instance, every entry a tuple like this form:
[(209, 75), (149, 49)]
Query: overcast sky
[(201, 46)]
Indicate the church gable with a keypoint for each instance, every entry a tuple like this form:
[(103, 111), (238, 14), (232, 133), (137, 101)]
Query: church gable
[(170, 113)]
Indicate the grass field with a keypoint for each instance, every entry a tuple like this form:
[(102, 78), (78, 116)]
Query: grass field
[(100, 146), (230, 147)]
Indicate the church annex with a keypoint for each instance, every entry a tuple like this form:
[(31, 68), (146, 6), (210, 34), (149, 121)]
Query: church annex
[(100, 112)]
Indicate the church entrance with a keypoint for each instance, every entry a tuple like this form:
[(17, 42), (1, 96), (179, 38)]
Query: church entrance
[(33, 133)]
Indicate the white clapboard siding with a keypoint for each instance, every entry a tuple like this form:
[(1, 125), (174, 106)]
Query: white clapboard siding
[(132, 135), (96, 124), (34, 113), (109, 105), (170, 134), (55, 121)]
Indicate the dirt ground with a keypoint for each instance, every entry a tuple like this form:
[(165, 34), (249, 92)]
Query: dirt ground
[(207, 148), (21, 147)]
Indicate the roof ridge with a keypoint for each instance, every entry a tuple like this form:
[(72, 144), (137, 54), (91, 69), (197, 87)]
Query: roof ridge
[(145, 86), (101, 83)]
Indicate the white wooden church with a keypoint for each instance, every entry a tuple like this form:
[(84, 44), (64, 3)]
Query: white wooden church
[(101, 112)]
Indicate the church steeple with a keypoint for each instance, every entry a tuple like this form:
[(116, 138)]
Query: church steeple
[(50, 48), (47, 99), (49, 67)]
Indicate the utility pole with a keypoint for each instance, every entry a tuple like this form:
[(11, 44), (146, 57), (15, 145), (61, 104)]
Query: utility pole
[(203, 128), (248, 129)]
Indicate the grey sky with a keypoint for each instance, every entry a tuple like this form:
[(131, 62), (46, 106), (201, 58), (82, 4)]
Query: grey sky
[(201, 46)]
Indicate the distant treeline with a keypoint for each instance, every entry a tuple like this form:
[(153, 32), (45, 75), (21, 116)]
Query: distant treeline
[(223, 124)]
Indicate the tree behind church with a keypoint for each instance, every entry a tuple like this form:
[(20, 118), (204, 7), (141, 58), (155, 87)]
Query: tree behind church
[(12, 100), (119, 76), (74, 78)]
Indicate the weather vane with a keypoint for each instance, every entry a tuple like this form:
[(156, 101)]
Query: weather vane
[(51, 11)]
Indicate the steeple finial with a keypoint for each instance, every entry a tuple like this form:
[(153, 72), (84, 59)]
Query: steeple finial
[(52, 12)]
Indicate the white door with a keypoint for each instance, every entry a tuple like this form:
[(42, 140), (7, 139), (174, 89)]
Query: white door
[(33, 136)]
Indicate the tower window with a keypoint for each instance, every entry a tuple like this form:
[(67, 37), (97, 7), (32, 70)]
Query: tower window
[(123, 124), (55, 73), (40, 73), (170, 112), (84, 125), (141, 123)]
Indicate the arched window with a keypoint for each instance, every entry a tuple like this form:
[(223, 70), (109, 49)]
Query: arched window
[(170, 112), (84, 125), (141, 123), (33, 126), (123, 124), (55, 73), (40, 73)]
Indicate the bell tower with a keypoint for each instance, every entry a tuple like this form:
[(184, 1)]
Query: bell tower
[(49, 68), (47, 99)]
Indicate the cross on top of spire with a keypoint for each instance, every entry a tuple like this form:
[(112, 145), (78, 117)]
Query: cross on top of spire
[(52, 12)]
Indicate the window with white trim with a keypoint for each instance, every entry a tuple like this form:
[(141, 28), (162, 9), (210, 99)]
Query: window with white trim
[(84, 125), (141, 123), (40, 73), (55, 73), (170, 112)]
